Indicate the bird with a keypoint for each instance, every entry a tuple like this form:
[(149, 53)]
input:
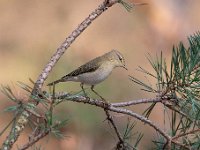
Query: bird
[(94, 71)]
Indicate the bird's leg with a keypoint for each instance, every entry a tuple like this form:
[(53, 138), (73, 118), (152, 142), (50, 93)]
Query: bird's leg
[(83, 90), (106, 104), (92, 88)]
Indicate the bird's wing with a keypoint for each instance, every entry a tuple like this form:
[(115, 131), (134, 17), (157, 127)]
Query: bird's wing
[(90, 66), (86, 68)]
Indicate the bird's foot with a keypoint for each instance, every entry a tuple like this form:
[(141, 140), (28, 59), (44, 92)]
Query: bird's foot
[(106, 104), (103, 99)]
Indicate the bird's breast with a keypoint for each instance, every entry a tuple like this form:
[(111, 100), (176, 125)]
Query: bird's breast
[(96, 76)]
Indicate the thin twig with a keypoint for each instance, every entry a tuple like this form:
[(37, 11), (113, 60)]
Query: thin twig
[(34, 113), (184, 134), (181, 145), (178, 111), (141, 118), (135, 102), (110, 119), (35, 139)]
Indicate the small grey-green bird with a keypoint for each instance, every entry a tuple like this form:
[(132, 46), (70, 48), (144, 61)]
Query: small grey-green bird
[(94, 71)]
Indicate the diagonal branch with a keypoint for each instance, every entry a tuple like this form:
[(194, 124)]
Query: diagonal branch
[(185, 134), (110, 119), (23, 118), (69, 40), (141, 118), (35, 139), (99, 103)]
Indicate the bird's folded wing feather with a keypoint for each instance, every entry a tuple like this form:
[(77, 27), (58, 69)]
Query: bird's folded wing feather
[(86, 68)]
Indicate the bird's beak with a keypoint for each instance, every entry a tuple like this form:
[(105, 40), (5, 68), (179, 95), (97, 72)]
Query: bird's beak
[(125, 67)]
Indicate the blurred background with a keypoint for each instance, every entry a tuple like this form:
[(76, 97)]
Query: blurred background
[(30, 32)]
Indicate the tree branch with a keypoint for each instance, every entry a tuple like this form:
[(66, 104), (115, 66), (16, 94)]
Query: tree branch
[(99, 103), (110, 119), (135, 102), (69, 40), (184, 134), (181, 145), (35, 139)]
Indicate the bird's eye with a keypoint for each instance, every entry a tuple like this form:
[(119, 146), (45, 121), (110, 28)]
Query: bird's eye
[(120, 58)]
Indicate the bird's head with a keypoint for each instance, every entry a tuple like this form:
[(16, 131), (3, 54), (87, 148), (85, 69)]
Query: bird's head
[(117, 59)]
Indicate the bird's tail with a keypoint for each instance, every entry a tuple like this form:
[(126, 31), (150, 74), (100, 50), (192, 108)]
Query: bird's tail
[(55, 82)]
